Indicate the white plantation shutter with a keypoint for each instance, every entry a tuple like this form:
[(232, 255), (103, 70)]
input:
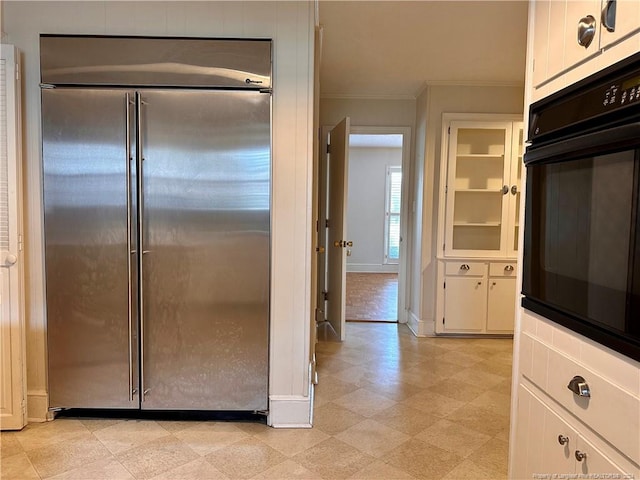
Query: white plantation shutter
[(12, 333), (392, 214), (4, 161)]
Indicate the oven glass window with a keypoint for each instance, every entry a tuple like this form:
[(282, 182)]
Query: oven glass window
[(581, 236)]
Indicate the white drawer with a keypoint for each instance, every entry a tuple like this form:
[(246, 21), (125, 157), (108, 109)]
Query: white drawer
[(468, 269), (610, 411), (502, 269)]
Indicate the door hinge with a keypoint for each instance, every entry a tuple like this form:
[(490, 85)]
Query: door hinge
[(317, 226), (446, 189), (328, 148), (17, 71), (20, 242), (326, 223), (444, 285), (449, 130), (443, 320), (443, 246), (325, 295)]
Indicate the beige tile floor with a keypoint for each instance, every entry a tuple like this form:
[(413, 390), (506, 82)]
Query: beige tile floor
[(388, 406)]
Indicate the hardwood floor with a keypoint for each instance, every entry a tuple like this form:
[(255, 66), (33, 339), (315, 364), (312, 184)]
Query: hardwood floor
[(372, 297)]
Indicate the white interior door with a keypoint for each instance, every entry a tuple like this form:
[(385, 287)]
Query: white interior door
[(12, 333), (337, 232)]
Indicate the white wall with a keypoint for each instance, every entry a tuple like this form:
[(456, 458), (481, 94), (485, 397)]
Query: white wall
[(291, 26), (366, 207), (431, 104)]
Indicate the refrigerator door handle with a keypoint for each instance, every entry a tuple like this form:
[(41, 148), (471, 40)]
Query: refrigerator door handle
[(129, 103), (139, 171)]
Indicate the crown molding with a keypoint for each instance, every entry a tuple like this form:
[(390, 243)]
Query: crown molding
[(341, 96), (466, 83)]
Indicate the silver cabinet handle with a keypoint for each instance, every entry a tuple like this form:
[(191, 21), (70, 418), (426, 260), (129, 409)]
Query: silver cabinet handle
[(508, 268), (579, 386), (586, 30), (580, 456), (562, 440), (139, 171), (464, 267), (514, 189), (504, 189), (609, 16)]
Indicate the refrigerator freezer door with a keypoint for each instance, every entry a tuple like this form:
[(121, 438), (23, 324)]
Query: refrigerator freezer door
[(206, 231), (92, 343)]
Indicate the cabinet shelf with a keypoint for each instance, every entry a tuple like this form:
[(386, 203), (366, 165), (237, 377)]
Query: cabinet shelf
[(477, 224), (497, 156), (477, 190)]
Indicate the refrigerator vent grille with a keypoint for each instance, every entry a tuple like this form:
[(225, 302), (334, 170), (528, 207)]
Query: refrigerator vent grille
[(4, 161)]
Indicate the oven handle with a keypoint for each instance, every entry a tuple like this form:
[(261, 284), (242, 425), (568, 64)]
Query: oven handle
[(617, 138)]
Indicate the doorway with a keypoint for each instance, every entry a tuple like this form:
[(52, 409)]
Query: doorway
[(374, 198), (376, 211)]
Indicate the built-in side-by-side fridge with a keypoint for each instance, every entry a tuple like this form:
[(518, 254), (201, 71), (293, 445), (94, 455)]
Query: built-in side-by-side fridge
[(156, 162)]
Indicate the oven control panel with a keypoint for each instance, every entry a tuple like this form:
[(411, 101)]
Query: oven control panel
[(622, 93), (594, 102)]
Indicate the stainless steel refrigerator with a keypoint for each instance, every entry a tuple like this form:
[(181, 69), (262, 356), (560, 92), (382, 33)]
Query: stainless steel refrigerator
[(156, 162)]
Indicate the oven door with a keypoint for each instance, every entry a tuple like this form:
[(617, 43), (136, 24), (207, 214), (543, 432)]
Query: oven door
[(581, 247)]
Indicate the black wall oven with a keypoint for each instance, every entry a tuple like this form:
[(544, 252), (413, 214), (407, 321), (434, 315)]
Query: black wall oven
[(581, 264)]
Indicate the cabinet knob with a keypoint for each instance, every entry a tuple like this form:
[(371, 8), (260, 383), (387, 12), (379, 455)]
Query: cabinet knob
[(562, 440), (464, 267), (514, 189), (580, 456), (479, 283), (508, 268), (505, 189)]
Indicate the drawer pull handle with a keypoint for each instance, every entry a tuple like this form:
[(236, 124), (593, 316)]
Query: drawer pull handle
[(580, 456), (464, 267), (579, 386), (562, 440), (508, 268)]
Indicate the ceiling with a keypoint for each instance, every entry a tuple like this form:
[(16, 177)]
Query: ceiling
[(392, 48)]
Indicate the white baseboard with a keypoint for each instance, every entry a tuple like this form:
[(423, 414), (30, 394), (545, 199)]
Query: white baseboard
[(371, 268), (421, 328), (290, 411), (38, 406)]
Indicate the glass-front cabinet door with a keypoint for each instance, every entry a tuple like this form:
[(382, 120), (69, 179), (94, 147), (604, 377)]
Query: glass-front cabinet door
[(479, 220), (515, 186)]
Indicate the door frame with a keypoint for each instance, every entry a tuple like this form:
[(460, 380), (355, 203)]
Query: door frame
[(405, 246)]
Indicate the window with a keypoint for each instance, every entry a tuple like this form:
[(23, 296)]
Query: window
[(392, 215)]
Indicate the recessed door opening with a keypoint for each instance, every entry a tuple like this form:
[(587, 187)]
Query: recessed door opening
[(373, 222)]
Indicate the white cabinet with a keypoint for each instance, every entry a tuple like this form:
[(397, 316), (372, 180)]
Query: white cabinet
[(465, 297), (476, 297), (480, 183), (579, 14), (625, 15), (481, 188), (548, 444), (501, 305), (557, 28)]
